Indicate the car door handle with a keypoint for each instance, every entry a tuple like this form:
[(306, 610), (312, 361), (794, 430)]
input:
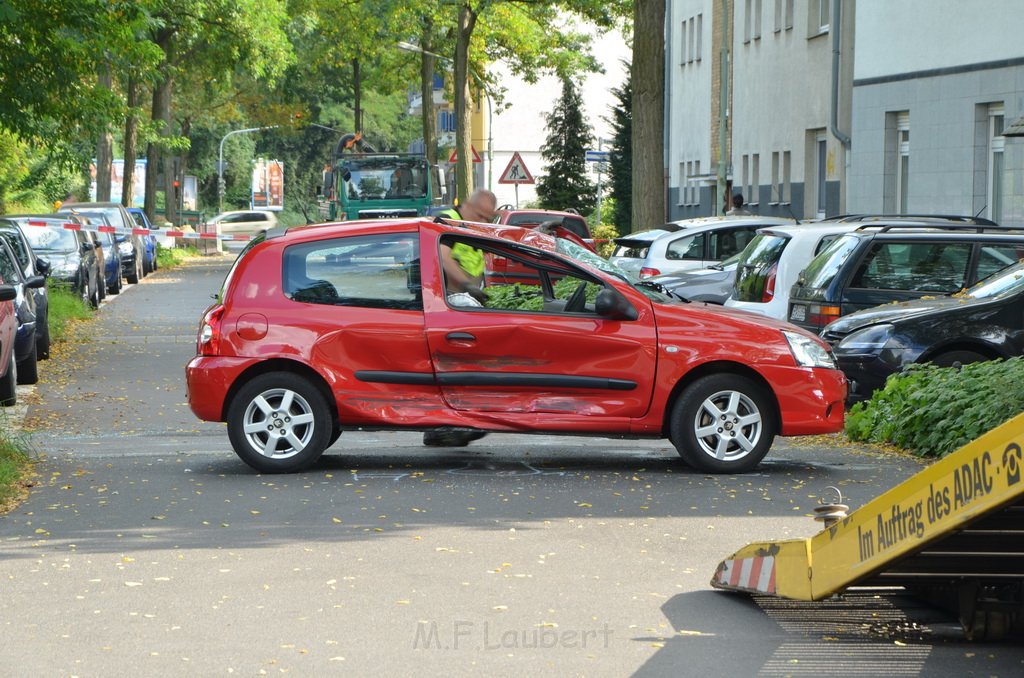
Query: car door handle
[(460, 336)]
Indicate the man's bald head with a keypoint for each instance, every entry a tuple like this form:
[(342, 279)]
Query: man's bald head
[(480, 206)]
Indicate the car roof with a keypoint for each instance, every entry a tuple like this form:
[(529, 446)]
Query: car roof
[(733, 220), (644, 236), (820, 228), (540, 211), (88, 205)]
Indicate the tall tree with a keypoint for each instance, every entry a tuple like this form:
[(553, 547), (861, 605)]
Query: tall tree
[(621, 175), (566, 184), (648, 81)]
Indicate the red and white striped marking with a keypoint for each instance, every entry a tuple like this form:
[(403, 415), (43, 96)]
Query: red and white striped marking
[(747, 574), (72, 226)]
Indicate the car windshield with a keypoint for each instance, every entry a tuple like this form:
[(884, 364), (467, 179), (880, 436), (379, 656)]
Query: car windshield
[(51, 239), (756, 266), (652, 291), (385, 178), (1008, 281), (824, 267)]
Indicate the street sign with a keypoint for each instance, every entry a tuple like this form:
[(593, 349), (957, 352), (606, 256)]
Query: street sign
[(598, 156), (516, 172), (476, 156)]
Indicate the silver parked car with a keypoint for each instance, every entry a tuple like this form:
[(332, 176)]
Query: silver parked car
[(688, 244)]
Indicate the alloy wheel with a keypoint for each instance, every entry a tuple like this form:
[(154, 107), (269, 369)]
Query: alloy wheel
[(728, 425), (278, 423)]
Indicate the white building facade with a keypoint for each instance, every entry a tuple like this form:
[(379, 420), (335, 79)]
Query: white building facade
[(790, 69), (935, 84)]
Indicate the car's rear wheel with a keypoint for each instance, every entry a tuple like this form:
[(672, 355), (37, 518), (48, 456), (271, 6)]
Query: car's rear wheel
[(951, 358), (279, 423), (118, 283), (28, 369), (9, 385), (723, 423)]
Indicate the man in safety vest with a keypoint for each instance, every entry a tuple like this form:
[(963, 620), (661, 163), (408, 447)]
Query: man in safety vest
[(463, 274), (464, 265)]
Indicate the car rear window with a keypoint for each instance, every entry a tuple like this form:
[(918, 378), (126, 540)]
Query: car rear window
[(755, 265), (631, 249), (914, 266), (823, 268)]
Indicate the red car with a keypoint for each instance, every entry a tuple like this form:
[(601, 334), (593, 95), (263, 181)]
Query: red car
[(8, 330), (350, 326)]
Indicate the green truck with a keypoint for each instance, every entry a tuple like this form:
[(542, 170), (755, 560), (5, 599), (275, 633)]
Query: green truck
[(364, 184)]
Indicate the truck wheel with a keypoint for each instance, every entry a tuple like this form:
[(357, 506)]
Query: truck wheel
[(279, 423), (8, 384), (723, 423)]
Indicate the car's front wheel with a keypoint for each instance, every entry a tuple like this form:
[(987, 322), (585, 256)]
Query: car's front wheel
[(8, 384), (279, 423), (28, 369), (723, 423)]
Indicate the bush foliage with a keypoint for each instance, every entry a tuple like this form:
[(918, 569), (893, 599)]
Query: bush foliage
[(933, 411)]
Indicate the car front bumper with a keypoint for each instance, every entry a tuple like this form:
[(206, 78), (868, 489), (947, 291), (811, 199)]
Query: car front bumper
[(866, 373), (811, 399)]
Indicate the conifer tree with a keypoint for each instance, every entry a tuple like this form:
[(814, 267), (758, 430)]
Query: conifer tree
[(567, 183)]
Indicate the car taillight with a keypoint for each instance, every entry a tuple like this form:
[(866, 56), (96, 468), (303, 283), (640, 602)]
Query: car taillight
[(769, 284), (647, 272), (208, 342), (820, 315)]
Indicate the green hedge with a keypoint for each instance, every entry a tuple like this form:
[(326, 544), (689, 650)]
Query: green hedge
[(933, 411)]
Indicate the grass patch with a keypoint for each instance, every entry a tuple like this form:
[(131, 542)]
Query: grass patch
[(66, 307), (933, 411), (172, 257), (15, 467)]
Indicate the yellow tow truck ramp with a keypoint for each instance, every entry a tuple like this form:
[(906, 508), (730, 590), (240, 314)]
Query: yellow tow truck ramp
[(953, 533)]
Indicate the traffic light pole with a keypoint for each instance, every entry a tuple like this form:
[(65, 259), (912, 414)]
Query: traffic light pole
[(220, 161)]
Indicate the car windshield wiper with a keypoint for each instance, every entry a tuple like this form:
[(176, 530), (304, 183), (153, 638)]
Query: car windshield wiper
[(658, 287), (717, 267)]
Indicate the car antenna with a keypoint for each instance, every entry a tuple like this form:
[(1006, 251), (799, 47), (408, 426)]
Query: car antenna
[(978, 213), (789, 208)]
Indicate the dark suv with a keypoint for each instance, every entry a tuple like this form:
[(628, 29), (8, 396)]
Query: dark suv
[(892, 259)]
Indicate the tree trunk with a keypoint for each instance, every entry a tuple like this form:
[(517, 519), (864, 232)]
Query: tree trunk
[(161, 111), (131, 128), (463, 109), (648, 79), (357, 95), (427, 95), (104, 145), (170, 161)]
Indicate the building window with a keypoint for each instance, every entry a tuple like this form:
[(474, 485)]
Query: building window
[(745, 186), (758, 11), (818, 17), (788, 18), (682, 45), (699, 34), (903, 162), (776, 195), (777, 24), (746, 20), (755, 187), (995, 162), (820, 172), (787, 196), (692, 40)]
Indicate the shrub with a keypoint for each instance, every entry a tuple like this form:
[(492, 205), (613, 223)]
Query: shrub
[(14, 464), (933, 411), (521, 297), (605, 232)]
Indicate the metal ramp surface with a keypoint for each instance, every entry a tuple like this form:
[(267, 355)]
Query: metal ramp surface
[(953, 533)]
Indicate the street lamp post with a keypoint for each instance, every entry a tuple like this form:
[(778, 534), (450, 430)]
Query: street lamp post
[(409, 47), (220, 161)]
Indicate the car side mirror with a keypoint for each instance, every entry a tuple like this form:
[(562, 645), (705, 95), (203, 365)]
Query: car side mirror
[(34, 282), (611, 304), (42, 267), (8, 293)]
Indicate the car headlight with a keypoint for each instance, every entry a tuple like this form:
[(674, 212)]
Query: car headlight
[(807, 352), (125, 248), (873, 338)]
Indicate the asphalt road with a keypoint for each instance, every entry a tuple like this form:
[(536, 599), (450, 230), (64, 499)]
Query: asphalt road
[(149, 549)]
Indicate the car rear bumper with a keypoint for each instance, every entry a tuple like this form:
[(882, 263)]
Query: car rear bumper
[(811, 400), (208, 380)]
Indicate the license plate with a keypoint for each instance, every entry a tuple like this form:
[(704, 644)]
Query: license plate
[(798, 313)]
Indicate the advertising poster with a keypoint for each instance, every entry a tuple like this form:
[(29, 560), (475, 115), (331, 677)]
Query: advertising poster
[(267, 184)]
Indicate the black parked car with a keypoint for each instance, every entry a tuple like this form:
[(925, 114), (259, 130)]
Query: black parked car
[(25, 353), (70, 254), (897, 259), (31, 266), (983, 323)]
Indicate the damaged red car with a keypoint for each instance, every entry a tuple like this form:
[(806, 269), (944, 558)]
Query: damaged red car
[(356, 326)]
